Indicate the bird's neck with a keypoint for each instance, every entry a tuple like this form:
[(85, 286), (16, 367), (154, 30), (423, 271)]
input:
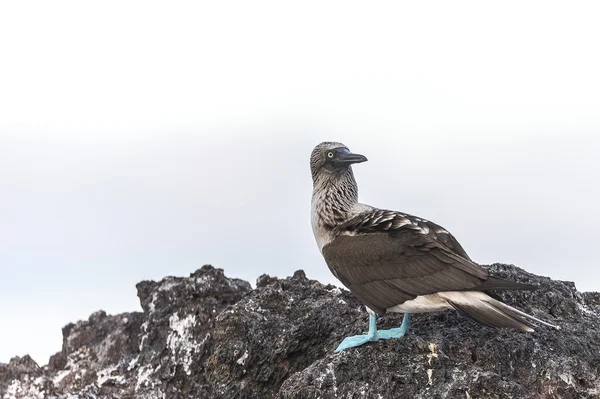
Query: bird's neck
[(335, 195)]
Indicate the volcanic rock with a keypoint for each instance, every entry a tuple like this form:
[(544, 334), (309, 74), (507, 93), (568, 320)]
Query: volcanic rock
[(209, 336)]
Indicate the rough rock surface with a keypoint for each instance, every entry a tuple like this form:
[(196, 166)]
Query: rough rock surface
[(209, 336)]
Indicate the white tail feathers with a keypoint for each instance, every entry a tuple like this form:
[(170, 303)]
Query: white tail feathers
[(491, 312)]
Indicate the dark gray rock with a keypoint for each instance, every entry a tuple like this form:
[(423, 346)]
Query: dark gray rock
[(177, 331), (448, 356), (275, 331), (209, 336), (19, 366)]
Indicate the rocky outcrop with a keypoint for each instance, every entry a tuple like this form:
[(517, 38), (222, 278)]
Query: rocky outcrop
[(209, 336)]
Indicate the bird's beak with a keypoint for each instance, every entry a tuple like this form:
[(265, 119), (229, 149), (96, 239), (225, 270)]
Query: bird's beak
[(345, 157)]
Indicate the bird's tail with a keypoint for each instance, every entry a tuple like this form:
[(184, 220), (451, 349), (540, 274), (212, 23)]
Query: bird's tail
[(486, 310)]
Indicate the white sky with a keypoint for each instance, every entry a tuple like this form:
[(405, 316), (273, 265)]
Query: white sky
[(143, 139)]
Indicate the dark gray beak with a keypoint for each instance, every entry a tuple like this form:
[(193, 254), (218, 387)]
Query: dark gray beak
[(344, 157)]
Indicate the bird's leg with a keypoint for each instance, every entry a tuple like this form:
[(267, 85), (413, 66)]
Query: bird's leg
[(396, 332), (374, 334), (357, 340)]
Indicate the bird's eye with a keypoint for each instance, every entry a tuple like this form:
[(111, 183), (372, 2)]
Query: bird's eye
[(330, 154)]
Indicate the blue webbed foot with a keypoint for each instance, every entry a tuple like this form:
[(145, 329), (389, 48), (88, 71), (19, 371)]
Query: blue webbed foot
[(354, 341), (396, 332), (374, 334), (391, 333)]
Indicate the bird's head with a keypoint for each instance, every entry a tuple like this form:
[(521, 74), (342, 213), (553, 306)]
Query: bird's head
[(332, 158)]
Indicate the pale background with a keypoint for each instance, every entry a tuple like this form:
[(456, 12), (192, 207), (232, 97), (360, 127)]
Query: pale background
[(145, 139)]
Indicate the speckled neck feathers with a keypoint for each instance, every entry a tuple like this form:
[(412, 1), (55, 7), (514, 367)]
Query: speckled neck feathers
[(334, 201), (337, 193)]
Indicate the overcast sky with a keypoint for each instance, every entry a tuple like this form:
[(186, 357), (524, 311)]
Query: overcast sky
[(142, 139)]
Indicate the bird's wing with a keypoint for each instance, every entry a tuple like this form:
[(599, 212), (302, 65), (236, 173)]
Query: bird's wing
[(386, 258), (382, 221)]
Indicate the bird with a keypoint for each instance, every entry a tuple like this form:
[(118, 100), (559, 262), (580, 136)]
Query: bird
[(396, 262)]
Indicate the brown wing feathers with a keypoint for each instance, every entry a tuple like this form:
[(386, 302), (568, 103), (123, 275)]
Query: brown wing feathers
[(386, 258), (381, 220)]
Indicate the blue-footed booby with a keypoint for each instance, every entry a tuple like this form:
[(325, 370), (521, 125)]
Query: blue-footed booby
[(396, 262)]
